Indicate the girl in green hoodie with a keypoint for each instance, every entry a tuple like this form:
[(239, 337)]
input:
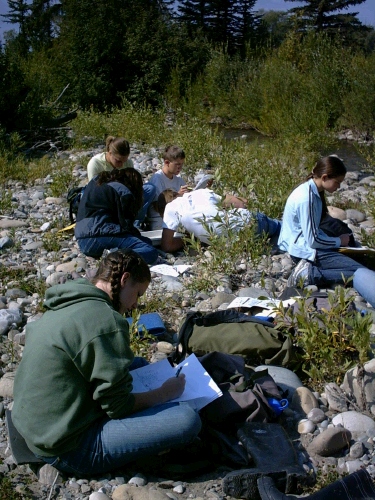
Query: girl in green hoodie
[(72, 398)]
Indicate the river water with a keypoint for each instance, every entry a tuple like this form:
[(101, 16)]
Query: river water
[(344, 149)]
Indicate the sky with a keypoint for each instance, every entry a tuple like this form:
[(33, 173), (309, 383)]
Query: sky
[(366, 10)]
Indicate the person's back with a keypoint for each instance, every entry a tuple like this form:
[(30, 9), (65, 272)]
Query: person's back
[(192, 211), (107, 212), (68, 333)]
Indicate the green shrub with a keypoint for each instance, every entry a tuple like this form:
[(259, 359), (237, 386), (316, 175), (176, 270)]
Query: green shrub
[(329, 342)]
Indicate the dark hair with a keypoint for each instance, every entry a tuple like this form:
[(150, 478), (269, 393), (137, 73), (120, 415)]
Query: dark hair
[(117, 146), (172, 153), (128, 176), (164, 198), (115, 264), (333, 167)]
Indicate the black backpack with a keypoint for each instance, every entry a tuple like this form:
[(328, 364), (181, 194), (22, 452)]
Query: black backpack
[(74, 197)]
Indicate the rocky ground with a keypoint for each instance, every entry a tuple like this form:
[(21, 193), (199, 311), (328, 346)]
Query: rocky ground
[(329, 430)]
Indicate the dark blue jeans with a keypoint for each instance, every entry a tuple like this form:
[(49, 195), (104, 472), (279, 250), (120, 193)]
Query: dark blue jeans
[(331, 268), (94, 247)]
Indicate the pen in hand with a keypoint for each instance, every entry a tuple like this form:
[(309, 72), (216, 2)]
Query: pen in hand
[(178, 371)]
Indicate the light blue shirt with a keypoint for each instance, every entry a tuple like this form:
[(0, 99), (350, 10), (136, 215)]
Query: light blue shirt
[(300, 234)]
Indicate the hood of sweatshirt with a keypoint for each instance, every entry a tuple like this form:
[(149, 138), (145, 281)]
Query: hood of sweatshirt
[(72, 292)]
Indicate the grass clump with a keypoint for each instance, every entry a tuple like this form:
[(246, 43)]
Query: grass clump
[(140, 339), (328, 342), (7, 491)]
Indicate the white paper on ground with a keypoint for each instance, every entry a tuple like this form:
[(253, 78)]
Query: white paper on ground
[(167, 270)]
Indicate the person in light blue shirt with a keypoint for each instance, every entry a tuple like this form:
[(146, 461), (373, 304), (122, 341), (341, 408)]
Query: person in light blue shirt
[(315, 253)]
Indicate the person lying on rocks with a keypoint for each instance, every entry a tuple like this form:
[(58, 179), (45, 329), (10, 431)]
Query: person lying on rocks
[(116, 156), (73, 399), (199, 213), (318, 261), (107, 212)]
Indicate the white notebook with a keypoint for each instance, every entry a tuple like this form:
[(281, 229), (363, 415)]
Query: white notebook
[(200, 388)]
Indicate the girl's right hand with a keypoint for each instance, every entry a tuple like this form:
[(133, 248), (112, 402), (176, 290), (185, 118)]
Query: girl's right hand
[(173, 387), (344, 240)]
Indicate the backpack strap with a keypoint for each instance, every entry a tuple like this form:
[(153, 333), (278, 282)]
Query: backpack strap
[(228, 316), (211, 319)]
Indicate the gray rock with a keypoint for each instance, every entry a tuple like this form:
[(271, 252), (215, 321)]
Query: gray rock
[(98, 496), (338, 213), (221, 298), (6, 242), (336, 397), (7, 384), (353, 466), (354, 421), (329, 442), (132, 492), (355, 215), (361, 384), (316, 415), (303, 400), (356, 450), (305, 426), (15, 293), (47, 475)]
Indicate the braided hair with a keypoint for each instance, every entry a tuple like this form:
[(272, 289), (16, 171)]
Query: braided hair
[(115, 264)]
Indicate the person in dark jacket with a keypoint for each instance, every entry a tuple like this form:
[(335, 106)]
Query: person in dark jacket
[(106, 215)]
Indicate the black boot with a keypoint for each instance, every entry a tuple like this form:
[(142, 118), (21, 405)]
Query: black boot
[(356, 486)]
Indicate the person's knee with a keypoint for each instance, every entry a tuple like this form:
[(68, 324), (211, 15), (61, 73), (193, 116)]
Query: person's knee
[(364, 283), (190, 422), (149, 191), (149, 253)]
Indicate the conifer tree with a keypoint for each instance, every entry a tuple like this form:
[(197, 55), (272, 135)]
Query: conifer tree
[(194, 13), (326, 15)]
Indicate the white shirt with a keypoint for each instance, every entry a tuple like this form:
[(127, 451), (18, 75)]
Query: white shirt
[(197, 209)]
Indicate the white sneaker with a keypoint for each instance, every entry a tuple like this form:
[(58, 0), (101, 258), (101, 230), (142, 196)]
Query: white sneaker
[(300, 272)]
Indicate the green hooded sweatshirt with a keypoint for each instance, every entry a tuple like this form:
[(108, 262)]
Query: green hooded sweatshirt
[(74, 369)]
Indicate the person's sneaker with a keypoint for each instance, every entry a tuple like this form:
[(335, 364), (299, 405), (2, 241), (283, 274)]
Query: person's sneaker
[(300, 272)]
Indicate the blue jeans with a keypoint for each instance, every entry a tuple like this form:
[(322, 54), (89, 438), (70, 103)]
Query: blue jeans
[(94, 247), (267, 225), (364, 283), (331, 268), (110, 444), (149, 193)]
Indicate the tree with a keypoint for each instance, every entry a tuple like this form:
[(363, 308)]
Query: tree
[(276, 25), (246, 23), (41, 23), (18, 14), (326, 15), (194, 13)]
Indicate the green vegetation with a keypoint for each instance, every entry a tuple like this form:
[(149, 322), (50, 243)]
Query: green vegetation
[(7, 491), (342, 334)]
